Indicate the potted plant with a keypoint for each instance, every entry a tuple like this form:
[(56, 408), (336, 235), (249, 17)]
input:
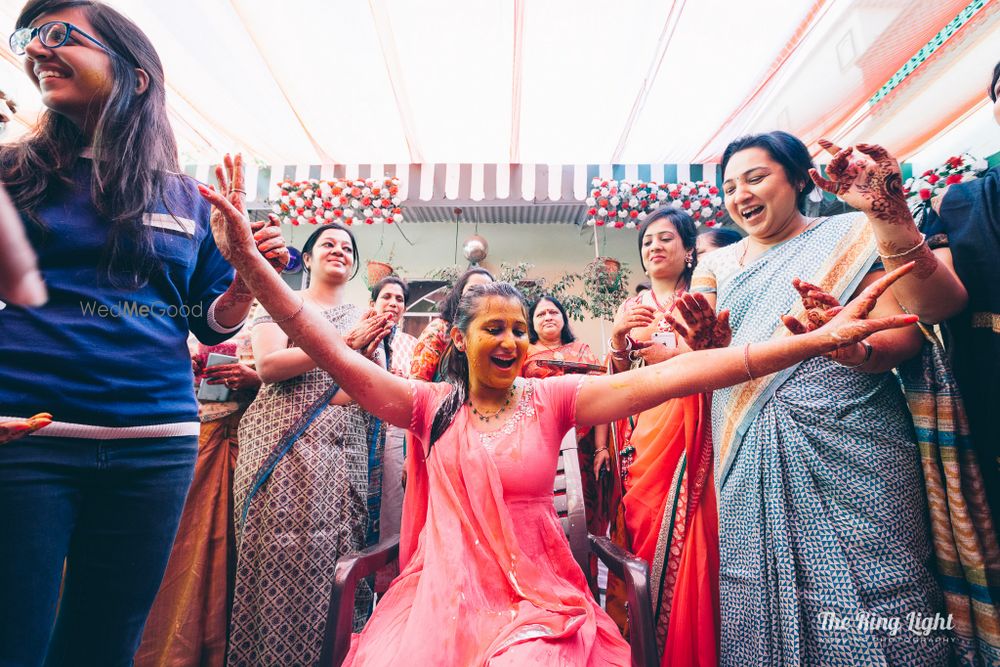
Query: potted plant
[(605, 285), (378, 270), (449, 275)]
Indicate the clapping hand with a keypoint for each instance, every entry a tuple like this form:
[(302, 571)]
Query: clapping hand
[(872, 183), (18, 428), (632, 315), (369, 332), (702, 328)]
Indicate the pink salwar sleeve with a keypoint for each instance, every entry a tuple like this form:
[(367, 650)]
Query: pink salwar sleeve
[(555, 401)]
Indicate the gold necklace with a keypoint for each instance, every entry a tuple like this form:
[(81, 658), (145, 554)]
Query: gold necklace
[(493, 415), (556, 354)]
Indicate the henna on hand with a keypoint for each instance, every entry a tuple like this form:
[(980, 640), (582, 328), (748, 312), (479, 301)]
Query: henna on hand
[(851, 325), (702, 328), (873, 185)]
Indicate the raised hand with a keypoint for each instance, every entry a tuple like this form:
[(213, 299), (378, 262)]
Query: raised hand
[(233, 232), (872, 183), (821, 307), (18, 428), (270, 242), (850, 325), (702, 329)]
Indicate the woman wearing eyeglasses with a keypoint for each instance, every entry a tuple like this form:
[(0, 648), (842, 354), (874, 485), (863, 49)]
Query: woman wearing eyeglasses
[(125, 248)]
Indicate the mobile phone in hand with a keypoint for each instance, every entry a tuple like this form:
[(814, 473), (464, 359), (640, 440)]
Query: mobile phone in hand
[(215, 392)]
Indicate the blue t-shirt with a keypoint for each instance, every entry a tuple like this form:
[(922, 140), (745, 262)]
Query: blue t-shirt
[(101, 355)]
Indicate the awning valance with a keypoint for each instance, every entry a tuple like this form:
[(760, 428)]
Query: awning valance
[(471, 182)]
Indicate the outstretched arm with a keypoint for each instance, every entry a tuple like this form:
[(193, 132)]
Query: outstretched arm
[(378, 391), (873, 184), (604, 399), (233, 305), (20, 281)]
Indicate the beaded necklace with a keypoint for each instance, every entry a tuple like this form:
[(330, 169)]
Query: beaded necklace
[(494, 415)]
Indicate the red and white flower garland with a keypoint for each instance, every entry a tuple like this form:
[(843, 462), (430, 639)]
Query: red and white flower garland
[(371, 201), (626, 204), (956, 169)]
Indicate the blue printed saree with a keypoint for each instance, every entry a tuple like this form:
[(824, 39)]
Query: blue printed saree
[(824, 543)]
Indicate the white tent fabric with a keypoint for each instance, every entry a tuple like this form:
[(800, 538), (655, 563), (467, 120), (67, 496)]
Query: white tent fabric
[(560, 82)]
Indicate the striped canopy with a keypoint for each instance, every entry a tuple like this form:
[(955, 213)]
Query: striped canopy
[(472, 182)]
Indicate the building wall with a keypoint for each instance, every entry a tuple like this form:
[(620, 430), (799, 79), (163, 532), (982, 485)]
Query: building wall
[(554, 250)]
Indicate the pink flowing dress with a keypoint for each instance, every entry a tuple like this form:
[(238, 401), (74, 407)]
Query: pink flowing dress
[(487, 575)]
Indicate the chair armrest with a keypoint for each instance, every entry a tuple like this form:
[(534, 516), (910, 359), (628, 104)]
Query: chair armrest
[(634, 571), (346, 574)]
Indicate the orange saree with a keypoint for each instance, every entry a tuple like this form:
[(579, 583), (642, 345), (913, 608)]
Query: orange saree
[(668, 516)]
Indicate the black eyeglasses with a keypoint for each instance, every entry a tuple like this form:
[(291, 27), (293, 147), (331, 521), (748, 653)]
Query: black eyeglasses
[(52, 35)]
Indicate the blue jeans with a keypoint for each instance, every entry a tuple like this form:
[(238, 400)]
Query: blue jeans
[(109, 509)]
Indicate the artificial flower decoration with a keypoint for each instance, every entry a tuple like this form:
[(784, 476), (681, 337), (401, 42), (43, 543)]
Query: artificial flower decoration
[(920, 190), (625, 204), (371, 201)]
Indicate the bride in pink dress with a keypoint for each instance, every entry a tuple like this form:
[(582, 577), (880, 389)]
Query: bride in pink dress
[(487, 577)]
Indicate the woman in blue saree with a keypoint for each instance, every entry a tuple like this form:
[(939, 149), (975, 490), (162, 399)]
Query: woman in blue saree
[(824, 544)]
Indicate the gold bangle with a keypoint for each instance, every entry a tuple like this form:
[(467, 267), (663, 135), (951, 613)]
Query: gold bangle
[(923, 240), (746, 360), (302, 304), (868, 356)]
